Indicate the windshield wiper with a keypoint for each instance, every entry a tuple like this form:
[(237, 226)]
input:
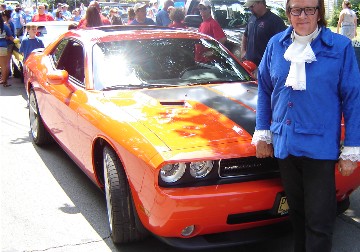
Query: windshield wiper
[(143, 85)]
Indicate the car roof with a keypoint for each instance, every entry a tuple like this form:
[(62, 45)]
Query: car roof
[(131, 32), (51, 23)]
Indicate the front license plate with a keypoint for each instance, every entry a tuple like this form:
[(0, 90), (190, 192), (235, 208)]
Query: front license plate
[(281, 206)]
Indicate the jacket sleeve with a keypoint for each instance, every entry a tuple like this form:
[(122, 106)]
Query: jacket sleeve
[(265, 88), (350, 97)]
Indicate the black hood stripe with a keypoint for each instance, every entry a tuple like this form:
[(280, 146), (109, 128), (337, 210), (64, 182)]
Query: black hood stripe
[(245, 94)]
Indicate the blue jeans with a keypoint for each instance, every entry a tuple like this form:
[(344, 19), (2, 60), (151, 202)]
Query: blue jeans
[(310, 188)]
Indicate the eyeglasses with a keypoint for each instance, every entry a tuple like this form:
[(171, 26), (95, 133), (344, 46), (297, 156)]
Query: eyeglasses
[(307, 10), (203, 9)]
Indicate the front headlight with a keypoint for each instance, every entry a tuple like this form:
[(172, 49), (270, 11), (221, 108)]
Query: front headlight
[(171, 173), (200, 169)]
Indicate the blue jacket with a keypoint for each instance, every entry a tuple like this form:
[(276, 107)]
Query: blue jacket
[(307, 123)]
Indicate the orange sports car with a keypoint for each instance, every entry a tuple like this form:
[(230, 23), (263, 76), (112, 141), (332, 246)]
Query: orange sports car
[(161, 120)]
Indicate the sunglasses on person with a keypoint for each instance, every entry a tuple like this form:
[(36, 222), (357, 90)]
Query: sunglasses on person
[(307, 10)]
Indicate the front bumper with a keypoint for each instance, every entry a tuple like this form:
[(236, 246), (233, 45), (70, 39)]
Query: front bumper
[(233, 238)]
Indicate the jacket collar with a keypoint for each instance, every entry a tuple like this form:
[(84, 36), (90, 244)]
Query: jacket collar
[(326, 36)]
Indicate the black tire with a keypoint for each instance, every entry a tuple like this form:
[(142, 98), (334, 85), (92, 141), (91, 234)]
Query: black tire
[(125, 225), (343, 205), (38, 132)]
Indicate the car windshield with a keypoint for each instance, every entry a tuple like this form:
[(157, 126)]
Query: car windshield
[(163, 62)]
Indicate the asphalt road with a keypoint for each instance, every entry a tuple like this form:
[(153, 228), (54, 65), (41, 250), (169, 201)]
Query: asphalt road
[(48, 204)]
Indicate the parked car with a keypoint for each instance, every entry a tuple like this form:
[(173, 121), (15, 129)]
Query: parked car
[(47, 32), (162, 120)]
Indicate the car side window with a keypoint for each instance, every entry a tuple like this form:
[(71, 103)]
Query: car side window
[(69, 56)]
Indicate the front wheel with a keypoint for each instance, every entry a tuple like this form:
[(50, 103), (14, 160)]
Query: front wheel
[(39, 133), (125, 225)]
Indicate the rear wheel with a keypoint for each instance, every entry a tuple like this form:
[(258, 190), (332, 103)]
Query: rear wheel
[(39, 133), (125, 225)]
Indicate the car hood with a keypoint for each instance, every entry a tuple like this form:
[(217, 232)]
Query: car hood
[(197, 115)]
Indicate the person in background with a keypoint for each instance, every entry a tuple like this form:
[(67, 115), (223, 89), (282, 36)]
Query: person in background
[(58, 8), (59, 16), (34, 9), (104, 20), (76, 15), (113, 12), (6, 17), (28, 15), (31, 42), (209, 25), (131, 15), (41, 15), (66, 12), (5, 35), (140, 15), (308, 79), (2, 7), (116, 20), (177, 16), (153, 9), (262, 25), (18, 18), (347, 21), (92, 17), (162, 17), (82, 9)]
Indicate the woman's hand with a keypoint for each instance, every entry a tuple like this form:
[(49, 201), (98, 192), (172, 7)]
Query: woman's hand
[(346, 167), (264, 150)]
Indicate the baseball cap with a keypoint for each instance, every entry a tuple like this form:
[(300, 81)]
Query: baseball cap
[(250, 2), (139, 6), (206, 3)]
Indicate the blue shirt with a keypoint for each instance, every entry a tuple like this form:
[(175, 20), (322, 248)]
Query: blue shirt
[(162, 18), (16, 17), (6, 33), (28, 45), (308, 122)]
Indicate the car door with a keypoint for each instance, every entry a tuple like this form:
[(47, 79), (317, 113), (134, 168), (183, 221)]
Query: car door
[(63, 100)]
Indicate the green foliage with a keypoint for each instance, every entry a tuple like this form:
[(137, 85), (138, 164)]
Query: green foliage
[(335, 17)]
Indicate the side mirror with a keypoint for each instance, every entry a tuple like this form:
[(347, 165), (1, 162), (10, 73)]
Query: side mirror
[(60, 77), (193, 20), (249, 65), (57, 77)]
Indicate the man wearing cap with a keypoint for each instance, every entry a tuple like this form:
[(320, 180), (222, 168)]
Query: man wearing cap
[(209, 25), (140, 15), (262, 25), (66, 12)]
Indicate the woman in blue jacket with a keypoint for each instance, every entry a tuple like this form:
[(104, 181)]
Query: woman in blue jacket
[(308, 79), (5, 36)]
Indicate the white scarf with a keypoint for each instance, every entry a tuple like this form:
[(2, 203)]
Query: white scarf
[(298, 53)]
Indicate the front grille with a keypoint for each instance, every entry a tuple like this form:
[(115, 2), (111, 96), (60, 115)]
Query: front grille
[(248, 166)]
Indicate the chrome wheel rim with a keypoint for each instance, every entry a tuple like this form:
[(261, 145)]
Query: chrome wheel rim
[(33, 116), (107, 192)]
